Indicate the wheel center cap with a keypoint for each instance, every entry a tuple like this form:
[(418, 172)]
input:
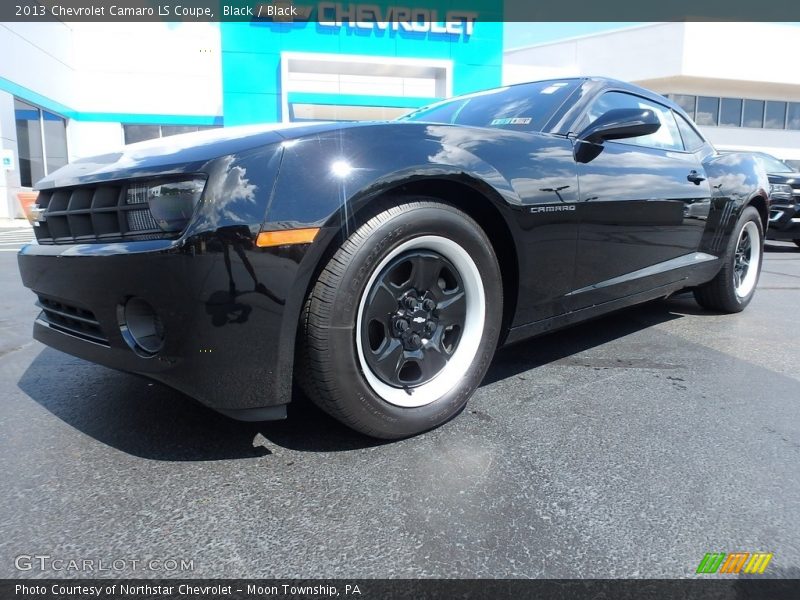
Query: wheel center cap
[(414, 320)]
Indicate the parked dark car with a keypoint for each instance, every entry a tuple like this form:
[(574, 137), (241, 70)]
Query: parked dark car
[(380, 264), (784, 211)]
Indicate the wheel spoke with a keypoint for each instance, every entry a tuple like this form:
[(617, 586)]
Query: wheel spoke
[(425, 272), (745, 243), (392, 352), (453, 310), (388, 362), (434, 360), (382, 303)]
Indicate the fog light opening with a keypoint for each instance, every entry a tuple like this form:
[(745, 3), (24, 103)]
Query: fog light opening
[(141, 327)]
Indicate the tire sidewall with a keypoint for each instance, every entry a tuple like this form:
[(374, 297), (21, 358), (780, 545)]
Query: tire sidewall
[(407, 223), (748, 214)]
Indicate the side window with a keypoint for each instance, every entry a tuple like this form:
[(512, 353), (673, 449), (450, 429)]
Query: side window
[(41, 140), (691, 139), (667, 136)]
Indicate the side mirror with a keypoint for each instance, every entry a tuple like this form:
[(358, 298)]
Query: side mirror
[(620, 123)]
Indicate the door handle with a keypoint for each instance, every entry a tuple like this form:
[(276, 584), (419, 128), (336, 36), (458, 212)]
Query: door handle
[(695, 177)]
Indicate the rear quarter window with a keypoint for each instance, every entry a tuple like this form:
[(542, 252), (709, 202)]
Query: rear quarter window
[(691, 139)]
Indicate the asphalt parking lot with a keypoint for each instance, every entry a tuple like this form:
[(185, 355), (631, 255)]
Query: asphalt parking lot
[(626, 447)]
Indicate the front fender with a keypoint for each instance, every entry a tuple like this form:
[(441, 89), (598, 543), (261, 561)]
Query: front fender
[(329, 177), (326, 179)]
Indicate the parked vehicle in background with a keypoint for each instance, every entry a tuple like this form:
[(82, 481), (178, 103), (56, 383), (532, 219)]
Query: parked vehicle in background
[(784, 190), (784, 212)]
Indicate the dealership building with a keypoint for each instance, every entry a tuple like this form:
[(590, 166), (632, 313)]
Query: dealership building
[(738, 81), (80, 89), (77, 89)]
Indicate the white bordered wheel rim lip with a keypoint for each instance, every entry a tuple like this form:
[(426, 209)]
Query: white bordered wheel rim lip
[(458, 365), (747, 283)]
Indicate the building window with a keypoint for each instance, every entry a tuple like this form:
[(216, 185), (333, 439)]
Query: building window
[(41, 142), (337, 112), (753, 113), (687, 103), (793, 116), (775, 115), (730, 112), (316, 84), (737, 112), (707, 110), (140, 133)]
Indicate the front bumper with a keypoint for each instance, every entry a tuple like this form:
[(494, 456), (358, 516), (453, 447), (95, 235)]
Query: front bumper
[(784, 220), (222, 318)]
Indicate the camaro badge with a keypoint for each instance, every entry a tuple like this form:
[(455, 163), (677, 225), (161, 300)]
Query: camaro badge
[(554, 208)]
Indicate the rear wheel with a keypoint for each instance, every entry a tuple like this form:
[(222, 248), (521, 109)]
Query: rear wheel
[(735, 284), (403, 322)]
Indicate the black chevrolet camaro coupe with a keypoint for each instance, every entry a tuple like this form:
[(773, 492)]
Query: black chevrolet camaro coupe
[(380, 264)]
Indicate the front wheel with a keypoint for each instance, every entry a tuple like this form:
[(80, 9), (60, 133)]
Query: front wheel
[(735, 284), (403, 321)]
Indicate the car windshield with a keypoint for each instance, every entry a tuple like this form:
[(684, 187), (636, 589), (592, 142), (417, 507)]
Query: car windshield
[(772, 164), (524, 107)]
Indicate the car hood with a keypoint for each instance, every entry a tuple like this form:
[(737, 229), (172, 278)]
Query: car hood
[(179, 153), (792, 179)]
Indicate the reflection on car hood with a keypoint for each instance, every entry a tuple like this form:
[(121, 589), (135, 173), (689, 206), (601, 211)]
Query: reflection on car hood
[(178, 153)]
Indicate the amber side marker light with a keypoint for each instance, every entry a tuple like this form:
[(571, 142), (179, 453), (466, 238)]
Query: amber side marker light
[(27, 200), (286, 237)]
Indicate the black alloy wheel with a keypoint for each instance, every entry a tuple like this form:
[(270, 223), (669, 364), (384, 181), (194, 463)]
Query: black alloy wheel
[(403, 321), (415, 314)]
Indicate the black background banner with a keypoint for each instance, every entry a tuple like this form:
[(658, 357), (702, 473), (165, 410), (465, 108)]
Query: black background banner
[(374, 589), (487, 10)]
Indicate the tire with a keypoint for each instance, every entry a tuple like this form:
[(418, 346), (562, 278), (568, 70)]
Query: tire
[(418, 286), (735, 284)]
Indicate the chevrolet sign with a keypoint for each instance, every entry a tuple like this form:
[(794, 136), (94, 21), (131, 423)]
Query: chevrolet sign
[(372, 16)]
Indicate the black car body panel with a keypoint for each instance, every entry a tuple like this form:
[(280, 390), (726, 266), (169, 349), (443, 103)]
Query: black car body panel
[(576, 239)]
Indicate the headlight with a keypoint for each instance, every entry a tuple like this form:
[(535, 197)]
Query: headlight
[(171, 203), (780, 191)]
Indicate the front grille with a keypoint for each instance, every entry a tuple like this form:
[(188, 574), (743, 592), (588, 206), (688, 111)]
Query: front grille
[(101, 213), (71, 319)]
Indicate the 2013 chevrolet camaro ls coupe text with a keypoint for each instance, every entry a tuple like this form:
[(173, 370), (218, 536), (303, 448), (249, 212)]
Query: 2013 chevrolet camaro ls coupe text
[(379, 264)]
